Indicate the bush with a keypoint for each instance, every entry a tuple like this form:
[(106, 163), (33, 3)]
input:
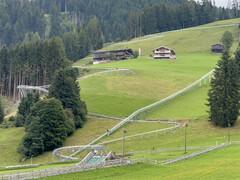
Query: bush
[(19, 120), (12, 118), (135, 54)]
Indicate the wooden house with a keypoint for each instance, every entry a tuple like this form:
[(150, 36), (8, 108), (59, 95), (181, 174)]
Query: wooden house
[(217, 48), (164, 53), (106, 56)]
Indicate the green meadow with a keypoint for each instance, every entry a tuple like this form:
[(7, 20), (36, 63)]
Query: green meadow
[(200, 132), (187, 41), (9, 140), (219, 164), (151, 81), (11, 137), (191, 104)]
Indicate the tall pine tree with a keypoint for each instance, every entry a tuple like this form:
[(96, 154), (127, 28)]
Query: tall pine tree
[(64, 88), (223, 96)]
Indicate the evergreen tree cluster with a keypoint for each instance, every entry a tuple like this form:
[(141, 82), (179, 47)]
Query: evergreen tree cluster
[(161, 17), (32, 63), (224, 93), (18, 18), (111, 14), (49, 121), (65, 88), (79, 43), (117, 20), (45, 128), (121, 20)]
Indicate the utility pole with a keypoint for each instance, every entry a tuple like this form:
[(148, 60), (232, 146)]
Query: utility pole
[(124, 131), (186, 138)]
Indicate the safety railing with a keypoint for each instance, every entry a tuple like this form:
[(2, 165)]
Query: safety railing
[(63, 170), (177, 125)]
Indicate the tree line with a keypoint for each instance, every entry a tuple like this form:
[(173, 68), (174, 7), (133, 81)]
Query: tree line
[(121, 20), (160, 17), (33, 63), (80, 42), (18, 18)]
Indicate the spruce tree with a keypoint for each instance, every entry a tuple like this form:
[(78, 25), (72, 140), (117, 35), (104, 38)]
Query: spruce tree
[(223, 95), (24, 108), (64, 88), (237, 59), (46, 129)]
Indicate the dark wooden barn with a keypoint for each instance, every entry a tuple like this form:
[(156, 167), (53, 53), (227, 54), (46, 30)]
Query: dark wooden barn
[(217, 48), (103, 56)]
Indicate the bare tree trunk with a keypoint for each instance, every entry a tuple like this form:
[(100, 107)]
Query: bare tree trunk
[(10, 81), (14, 87)]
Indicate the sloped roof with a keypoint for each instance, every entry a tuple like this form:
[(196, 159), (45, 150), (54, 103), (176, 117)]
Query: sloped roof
[(217, 46), (162, 47), (119, 50)]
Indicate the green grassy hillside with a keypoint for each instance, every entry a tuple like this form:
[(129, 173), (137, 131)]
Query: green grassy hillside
[(11, 137), (219, 164), (9, 140), (151, 81), (154, 80), (187, 41), (200, 132), (189, 105)]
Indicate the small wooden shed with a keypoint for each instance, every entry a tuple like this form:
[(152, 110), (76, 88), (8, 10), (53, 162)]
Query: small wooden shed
[(217, 48)]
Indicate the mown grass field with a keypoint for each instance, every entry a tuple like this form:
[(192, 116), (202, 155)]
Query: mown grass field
[(154, 80), (151, 81), (199, 133), (133, 128), (9, 140), (187, 41), (219, 164), (191, 104)]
